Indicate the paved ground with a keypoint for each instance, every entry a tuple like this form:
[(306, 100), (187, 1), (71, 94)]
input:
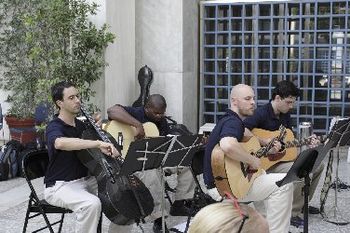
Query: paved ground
[(14, 196)]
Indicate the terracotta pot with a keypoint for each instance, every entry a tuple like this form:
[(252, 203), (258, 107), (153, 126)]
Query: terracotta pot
[(22, 130)]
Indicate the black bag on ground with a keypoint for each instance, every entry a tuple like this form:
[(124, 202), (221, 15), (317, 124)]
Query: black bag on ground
[(4, 166), (177, 129), (9, 165)]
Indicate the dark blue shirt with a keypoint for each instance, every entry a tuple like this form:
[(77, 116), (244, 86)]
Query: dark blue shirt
[(139, 114), (230, 125), (63, 165), (265, 118)]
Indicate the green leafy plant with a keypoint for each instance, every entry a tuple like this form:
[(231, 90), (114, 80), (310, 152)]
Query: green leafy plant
[(43, 42)]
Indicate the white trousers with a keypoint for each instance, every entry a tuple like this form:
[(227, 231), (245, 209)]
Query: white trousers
[(185, 184), (152, 179), (298, 196), (278, 200), (80, 197)]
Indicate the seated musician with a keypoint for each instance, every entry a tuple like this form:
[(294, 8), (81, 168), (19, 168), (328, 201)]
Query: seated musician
[(153, 111), (67, 182), (228, 132), (269, 117)]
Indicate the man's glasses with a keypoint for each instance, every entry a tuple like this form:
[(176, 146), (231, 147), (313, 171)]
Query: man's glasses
[(289, 101)]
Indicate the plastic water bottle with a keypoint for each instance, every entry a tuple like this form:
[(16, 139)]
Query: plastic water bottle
[(120, 140), (38, 144)]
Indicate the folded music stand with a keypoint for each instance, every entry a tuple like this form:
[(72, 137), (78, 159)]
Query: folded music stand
[(340, 135), (159, 153)]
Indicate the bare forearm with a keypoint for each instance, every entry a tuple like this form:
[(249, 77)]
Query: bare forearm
[(118, 113), (70, 144), (234, 150)]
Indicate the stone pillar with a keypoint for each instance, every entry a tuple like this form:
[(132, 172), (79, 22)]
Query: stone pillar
[(120, 79), (167, 41)]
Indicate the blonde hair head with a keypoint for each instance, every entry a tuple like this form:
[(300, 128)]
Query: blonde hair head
[(224, 217)]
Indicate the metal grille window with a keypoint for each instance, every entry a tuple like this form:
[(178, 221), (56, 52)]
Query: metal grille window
[(262, 43)]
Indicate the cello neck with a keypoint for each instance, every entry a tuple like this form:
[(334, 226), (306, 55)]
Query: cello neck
[(92, 122)]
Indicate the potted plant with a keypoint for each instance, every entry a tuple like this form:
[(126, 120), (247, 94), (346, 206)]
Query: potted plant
[(43, 42)]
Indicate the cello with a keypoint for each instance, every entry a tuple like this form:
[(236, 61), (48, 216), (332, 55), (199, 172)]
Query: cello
[(125, 199)]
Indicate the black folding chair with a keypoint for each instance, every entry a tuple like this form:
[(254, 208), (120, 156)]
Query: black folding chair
[(34, 165)]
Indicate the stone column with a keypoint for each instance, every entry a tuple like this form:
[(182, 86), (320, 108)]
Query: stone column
[(120, 77), (167, 41)]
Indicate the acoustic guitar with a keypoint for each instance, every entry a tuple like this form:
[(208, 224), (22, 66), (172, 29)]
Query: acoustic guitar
[(290, 152), (116, 129), (232, 175)]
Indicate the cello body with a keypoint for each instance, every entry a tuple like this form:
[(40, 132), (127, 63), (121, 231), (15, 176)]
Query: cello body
[(125, 199)]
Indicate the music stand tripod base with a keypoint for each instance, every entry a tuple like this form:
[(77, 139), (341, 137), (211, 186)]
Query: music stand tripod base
[(340, 135), (336, 219)]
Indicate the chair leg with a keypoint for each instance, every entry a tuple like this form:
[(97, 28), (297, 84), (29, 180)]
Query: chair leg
[(27, 217), (167, 189), (61, 223), (42, 212), (99, 227), (196, 180)]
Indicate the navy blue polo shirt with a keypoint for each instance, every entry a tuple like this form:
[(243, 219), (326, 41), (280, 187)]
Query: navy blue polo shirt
[(230, 125), (139, 114), (265, 118), (63, 165)]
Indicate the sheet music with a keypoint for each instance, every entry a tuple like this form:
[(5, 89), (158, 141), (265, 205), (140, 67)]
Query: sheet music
[(338, 127), (335, 120), (162, 152)]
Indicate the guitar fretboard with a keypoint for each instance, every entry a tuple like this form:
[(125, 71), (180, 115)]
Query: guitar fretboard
[(296, 143)]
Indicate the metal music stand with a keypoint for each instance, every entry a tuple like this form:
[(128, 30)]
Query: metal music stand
[(306, 163), (145, 154), (340, 135), (159, 153)]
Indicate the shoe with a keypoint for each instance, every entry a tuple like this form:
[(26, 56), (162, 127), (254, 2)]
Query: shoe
[(297, 221), (167, 188), (340, 185), (157, 226), (179, 208), (314, 210)]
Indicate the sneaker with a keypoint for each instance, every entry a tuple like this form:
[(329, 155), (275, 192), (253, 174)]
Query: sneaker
[(179, 208), (314, 210), (168, 188), (297, 221), (157, 226)]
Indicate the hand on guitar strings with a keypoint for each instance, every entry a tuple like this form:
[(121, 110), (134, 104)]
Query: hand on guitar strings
[(255, 164), (275, 148), (314, 141), (140, 131), (108, 149)]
